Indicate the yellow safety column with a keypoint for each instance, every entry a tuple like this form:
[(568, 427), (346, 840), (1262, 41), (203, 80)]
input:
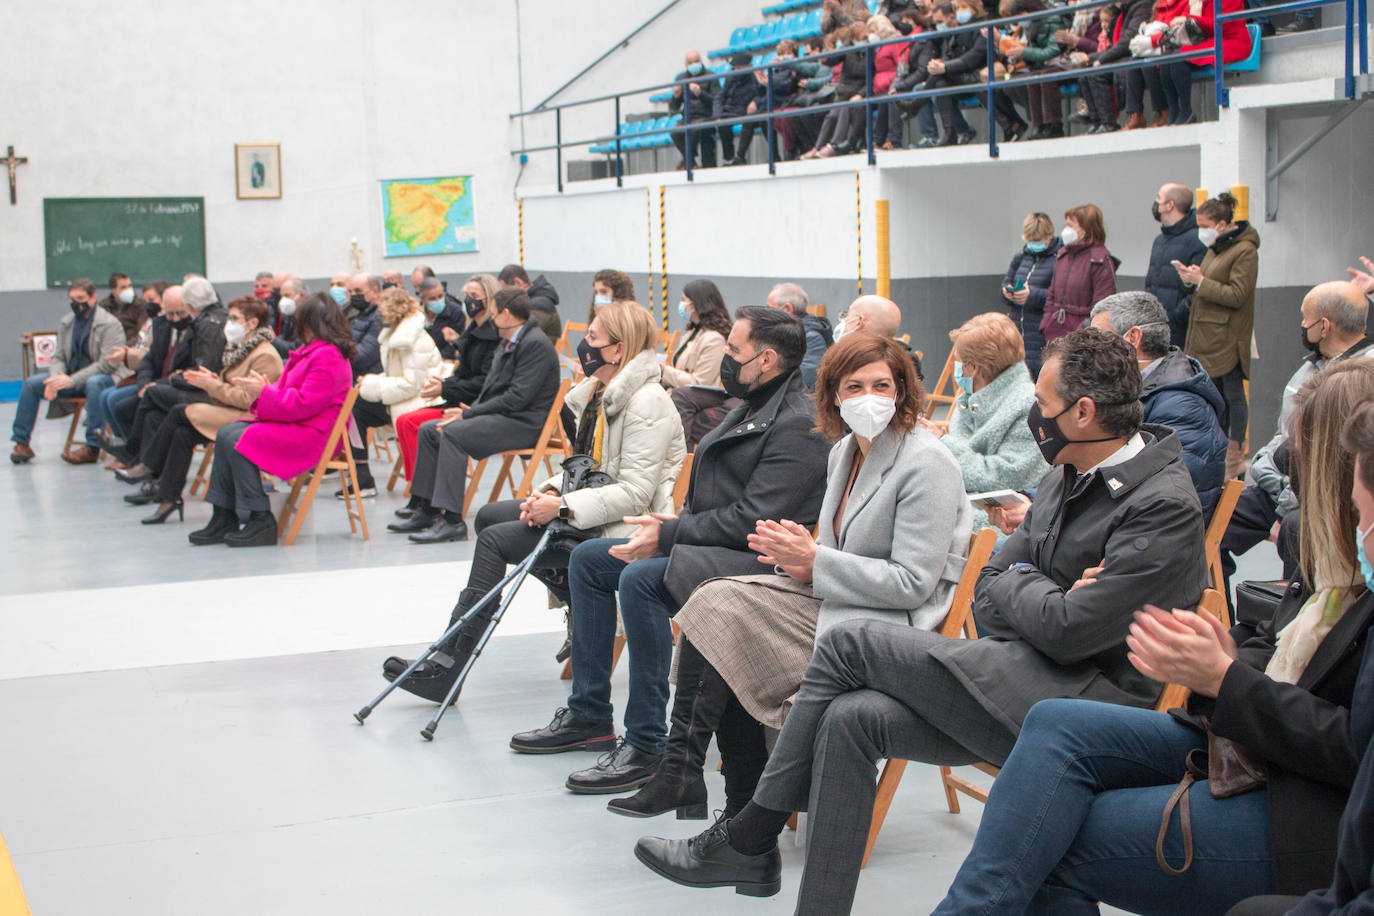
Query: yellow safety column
[(12, 902), (884, 249), (663, 249)]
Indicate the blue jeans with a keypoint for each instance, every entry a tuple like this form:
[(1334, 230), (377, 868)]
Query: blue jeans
[(594, 577), (111, 397), (1072, 820), (31, 398)]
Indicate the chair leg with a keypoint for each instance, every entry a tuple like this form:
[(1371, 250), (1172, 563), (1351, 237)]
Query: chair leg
[(502, 478), (76, 424), (352, 487), (951, 796), (396, 470), (303, 507), (887, 787), (288, 508), (474, 478)]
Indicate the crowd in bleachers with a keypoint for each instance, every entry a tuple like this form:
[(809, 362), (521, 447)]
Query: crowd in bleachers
[(827, 549), (824, 56)]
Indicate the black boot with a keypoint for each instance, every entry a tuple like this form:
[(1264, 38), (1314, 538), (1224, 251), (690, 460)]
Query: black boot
[(259, 531), (222, 523), (701, 697)]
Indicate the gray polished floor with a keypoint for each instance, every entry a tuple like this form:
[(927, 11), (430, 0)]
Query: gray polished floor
[(244, 785)]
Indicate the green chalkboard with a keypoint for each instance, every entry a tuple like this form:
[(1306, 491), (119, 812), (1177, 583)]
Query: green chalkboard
[(148, 238)]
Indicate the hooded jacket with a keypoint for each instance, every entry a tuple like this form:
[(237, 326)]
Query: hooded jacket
[(1178, 394), (1040, 640), (542, 295), (1222, 318), (819, 338), (1178, 242)]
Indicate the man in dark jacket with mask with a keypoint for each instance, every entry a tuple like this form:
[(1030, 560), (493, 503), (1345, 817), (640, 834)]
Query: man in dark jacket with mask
[(1176, 391), (1115, 525), (543, 298), (698, 97), (764, 462), (1177, 241), (361, 312), (733, 101)]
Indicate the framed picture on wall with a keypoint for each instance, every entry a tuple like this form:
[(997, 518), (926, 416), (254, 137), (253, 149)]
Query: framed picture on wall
[(257, 169)]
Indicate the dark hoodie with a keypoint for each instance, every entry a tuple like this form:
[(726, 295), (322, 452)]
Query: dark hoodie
[(1178, 394), (542, 295), (1178, 242)]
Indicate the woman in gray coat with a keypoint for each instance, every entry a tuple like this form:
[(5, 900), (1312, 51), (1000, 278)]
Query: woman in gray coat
[(893, 534)]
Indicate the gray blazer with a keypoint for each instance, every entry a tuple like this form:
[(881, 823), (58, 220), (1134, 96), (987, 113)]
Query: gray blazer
[(903, 538)]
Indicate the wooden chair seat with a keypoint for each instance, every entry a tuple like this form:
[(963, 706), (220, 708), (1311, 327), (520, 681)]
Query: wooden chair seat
[(336, 456), (551, 440)]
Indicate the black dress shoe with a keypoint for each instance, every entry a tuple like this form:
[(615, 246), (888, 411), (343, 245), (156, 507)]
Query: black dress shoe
[(259, 531), (406, 512), (223, 522), (109, 443), (565, 733), (417, 521), (136, 474), (146, 494), (706, 860), (430, 681), (623, 769), (442, 532)]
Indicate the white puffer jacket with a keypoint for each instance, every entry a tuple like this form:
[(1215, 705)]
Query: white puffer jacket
[(409, 357), (642, 449)]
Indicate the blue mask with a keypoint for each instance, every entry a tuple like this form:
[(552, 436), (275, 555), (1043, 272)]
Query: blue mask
[(436, 307), (965, 16), (682, 311), (694, 69), (340, 295), (601, 301), (941, 26), (963, 381), (1037, 247), (1365, 568)]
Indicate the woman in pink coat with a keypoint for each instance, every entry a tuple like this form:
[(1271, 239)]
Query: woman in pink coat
[(292, 419)]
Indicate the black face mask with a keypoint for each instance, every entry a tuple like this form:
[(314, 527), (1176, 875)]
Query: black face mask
[(357, 301), (1049, 437), (1313, 346), (473, 307), (729, 375), (1154, 210), (590, 357), (388, 285), (182, 323), (80, 310), (152, 308)]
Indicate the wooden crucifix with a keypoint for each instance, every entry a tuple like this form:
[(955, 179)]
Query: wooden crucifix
[(12, 160)]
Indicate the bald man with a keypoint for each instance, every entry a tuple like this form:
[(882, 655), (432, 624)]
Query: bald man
[(391, 278), (877, 315), (699, 93), (1332, 323), (1177, 240)]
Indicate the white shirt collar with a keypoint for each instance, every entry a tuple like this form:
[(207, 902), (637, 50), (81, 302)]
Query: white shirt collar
[(1134, 446), (1150, 367)]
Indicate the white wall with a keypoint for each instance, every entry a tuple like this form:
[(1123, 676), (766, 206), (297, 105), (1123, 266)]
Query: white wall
[(148, 98)]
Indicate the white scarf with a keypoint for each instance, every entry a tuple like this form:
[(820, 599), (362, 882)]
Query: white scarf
[(1298, 641)]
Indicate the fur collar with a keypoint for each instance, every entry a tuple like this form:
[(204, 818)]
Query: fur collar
[(237, 353), (638, 372)]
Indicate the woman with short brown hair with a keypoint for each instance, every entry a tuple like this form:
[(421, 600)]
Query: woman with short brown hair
[(894, 526), (1084, 272)]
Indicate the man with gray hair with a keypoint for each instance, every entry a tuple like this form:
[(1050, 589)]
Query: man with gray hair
[(207, 323), (1332, 326), (792, 299), (1175, 390)]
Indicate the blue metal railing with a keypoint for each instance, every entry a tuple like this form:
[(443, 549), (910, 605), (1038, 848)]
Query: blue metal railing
[(1356, 19)]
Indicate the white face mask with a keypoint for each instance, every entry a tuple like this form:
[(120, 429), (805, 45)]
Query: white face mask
[(1069, 236), (287, 306), (126, 295), (234, 332), (868, 414), (1207, 236), (841, 328)]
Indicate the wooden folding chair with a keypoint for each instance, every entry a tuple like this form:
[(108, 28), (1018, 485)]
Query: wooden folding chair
[(551, 439), (397, 470), (943, 393), (295, 509), (818, 310), (563, 346), (684, 480), (377, 444), (668, 341), (12, 900), (202, 478), (1216, 530), (78, 405)]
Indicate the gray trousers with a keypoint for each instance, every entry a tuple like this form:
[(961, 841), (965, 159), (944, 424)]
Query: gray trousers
[(441, 455), (235, 482), (872, 691)]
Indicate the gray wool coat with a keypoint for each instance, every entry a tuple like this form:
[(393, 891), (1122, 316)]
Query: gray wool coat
[(903, 538)]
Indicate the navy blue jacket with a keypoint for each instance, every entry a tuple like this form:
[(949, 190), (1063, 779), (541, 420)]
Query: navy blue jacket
[(1352, 890), (366, 326), (452, 316), (1178, 394), (733, 100), (1036, 270), (1178, 242)]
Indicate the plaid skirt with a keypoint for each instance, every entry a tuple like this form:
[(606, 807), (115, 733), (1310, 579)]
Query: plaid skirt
[(759, 633)]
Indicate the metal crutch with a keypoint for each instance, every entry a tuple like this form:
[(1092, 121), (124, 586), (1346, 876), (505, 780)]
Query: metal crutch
[(516, 576)]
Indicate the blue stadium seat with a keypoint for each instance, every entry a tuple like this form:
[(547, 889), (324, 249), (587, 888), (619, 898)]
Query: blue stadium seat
[(662, 98), (736, 38), (1249, 65)]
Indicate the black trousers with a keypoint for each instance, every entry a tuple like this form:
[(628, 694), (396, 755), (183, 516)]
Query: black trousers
[(701, 411), (1237, 415), (168, 453), (1251, 522), (441, 455), (703, 140), (157, 401), (503, 540), (367, 415), (739, 736)]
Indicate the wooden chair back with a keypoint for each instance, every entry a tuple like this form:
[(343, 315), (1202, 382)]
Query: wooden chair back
[(1213, 602), (943, 394), (1216, 530), (684, 480), (551, 439), (818, 310), (564, 344), (297, 506), (667, 340), (958, 620)]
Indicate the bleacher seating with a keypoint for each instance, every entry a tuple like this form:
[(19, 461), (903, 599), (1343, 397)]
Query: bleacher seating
[(788, 6), (638, 135), (797, 27)]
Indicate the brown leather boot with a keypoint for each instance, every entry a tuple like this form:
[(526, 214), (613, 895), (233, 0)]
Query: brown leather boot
[(1236, 465), (22, 454), (1161, 119), (82, 454), (1134, 121)]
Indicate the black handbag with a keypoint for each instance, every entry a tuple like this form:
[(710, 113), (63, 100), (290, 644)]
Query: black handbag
[(580, 472), (1257, 601)]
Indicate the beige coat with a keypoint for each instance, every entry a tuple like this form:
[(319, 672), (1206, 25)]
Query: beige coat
[(642, 449), (1221, 319), (698, 362), (230, 403), (409, 357)]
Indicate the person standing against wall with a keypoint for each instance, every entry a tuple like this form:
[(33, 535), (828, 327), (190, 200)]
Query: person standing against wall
[(1177, 241)]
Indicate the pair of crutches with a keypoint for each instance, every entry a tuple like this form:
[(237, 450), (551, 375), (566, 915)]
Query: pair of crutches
[(514, 579)]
